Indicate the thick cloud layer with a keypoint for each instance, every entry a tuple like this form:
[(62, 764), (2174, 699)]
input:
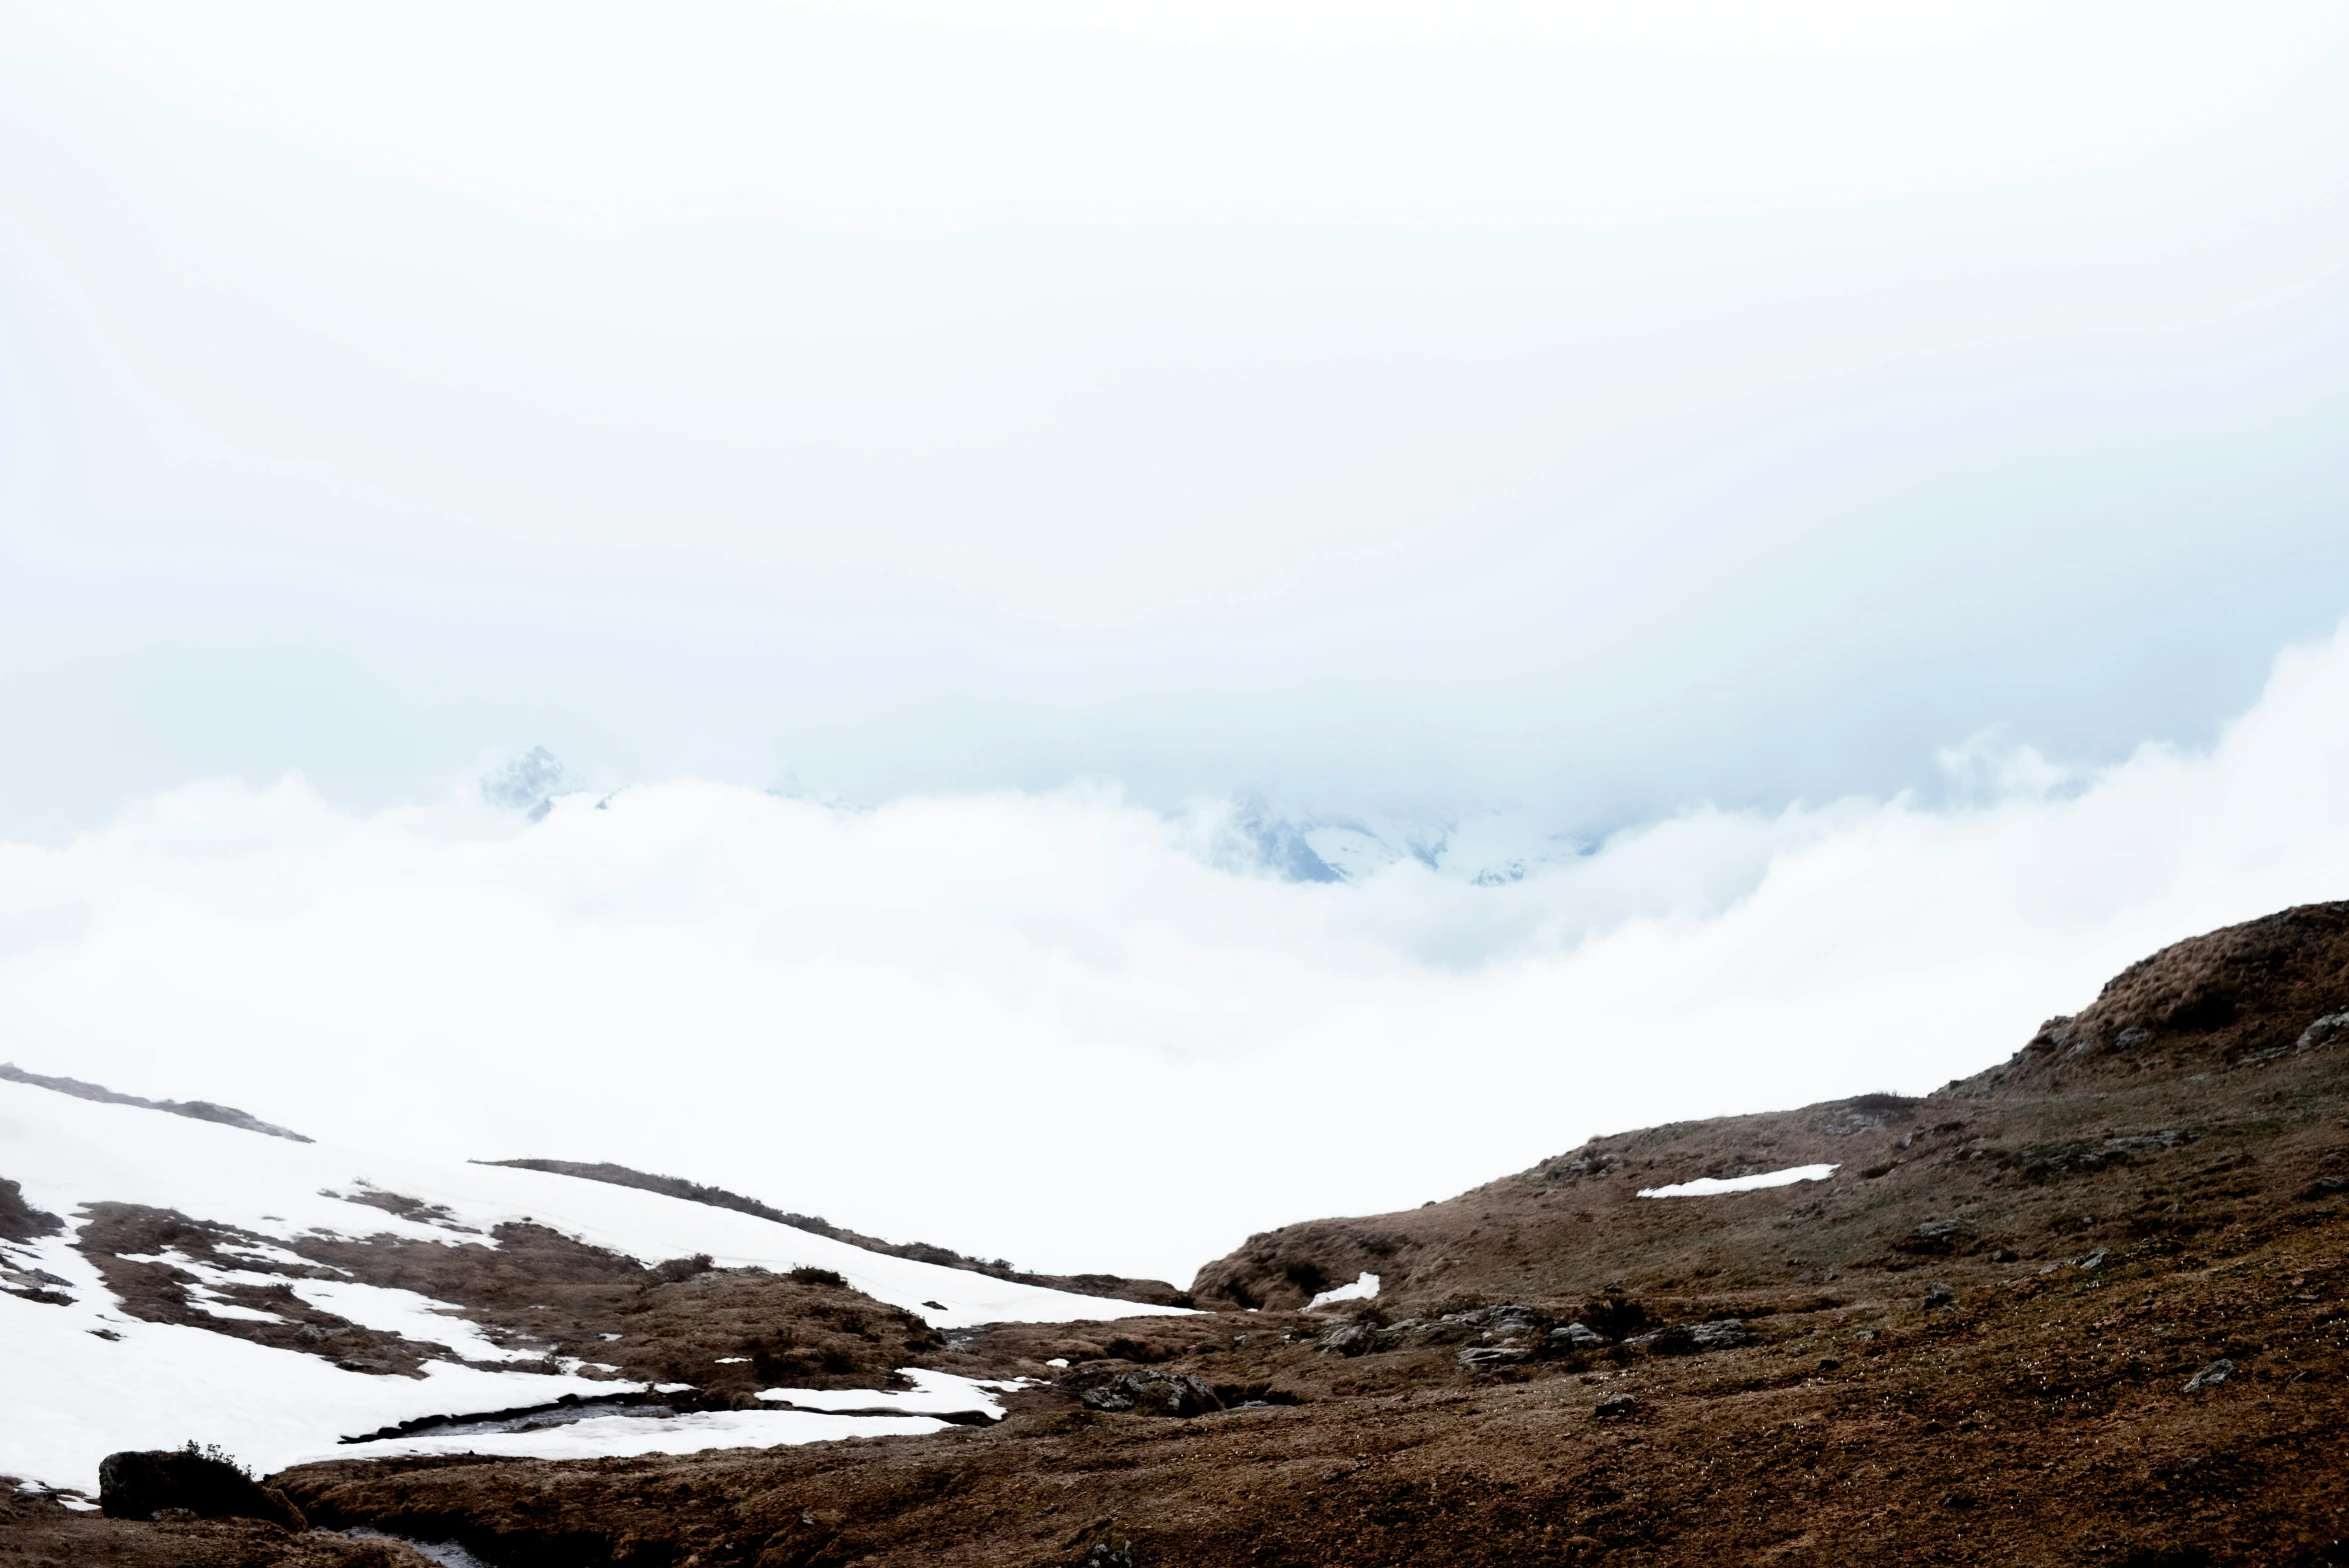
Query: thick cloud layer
[(1076, 1032)]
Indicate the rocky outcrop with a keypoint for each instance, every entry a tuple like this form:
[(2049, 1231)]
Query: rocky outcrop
[(19, 1220), (2240, 995), (1152, 1394), (1150, 1292)]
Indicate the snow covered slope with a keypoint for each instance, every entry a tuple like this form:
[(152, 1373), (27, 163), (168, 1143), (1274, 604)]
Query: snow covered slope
[(85, 1377)]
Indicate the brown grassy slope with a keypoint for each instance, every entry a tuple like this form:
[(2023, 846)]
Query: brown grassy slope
[(2010, 1388), (2178, 1068), (2041, 1420)]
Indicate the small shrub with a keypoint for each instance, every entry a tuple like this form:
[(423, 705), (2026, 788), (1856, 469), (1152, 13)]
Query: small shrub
[(213, 1453)]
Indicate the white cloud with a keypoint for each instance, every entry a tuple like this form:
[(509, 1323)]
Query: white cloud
[(1094, 312), (1048, 1026)]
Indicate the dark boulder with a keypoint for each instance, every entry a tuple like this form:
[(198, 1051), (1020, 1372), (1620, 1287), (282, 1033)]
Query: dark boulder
[(140, 1484), (1934, 1236)]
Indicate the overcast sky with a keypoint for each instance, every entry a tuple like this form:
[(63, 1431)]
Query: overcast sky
[(1740, 423), (1592, 409)]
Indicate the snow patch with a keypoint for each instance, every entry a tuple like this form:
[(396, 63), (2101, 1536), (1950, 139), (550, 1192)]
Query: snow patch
[(1708, 1186), (407, 1314), (1364, 1288), (615, 1436), (932, 1393)]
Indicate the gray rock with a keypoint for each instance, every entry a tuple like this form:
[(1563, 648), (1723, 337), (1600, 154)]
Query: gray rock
[(1620, 1408), (2323, 1032), (2211, 1376), (1680, 1339), (1486, 1357), (1152, 1394), (1939, 1296), (1719, 1334), (2093, 1261), (1347, 1339), (1577, 1336)]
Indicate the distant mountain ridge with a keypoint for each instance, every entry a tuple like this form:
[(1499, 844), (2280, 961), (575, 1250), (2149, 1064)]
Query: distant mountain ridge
[(1156, 1291), (200, 1110)]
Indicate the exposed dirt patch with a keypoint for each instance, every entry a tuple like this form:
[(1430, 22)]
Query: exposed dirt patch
[(143, 1255), (21, 1222), (729, 1332)]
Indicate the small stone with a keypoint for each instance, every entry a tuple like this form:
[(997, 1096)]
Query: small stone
[(2093, 1261), (1620, 1408), (1939, 1296), (1577, 1336), (2210, 1376), (1485, 1357), (2001, 1255)]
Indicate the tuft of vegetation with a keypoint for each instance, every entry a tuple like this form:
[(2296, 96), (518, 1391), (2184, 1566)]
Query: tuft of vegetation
[(213, 1453)]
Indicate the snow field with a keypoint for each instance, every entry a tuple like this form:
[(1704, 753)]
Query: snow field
[(87, 1379)]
